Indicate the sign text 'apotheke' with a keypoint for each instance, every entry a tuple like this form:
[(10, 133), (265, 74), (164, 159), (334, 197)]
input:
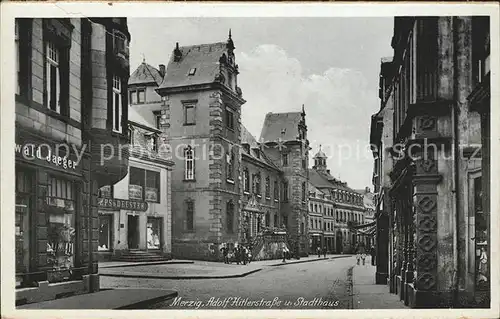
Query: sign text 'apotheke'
[(45, 152)]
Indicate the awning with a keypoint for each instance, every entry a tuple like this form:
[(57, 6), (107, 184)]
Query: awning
[(369, 232), (374, 223)]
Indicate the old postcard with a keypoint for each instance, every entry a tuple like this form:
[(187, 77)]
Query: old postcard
[(288, 160)]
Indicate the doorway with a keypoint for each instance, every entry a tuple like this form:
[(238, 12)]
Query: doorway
[(133, 232)]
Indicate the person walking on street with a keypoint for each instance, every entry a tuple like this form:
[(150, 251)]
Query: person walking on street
[(225, 253), (360, 253), (324, 251), (318, 250), (284, 254), (373, 254)]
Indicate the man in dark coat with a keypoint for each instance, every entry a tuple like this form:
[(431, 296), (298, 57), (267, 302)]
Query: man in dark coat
[(324, 251), (225, 253), (374, 254)]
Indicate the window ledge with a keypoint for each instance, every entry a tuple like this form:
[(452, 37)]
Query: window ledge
[(246, 193), (189, 180), (230, 181), (259, 196), (189, 124), (268, 198)]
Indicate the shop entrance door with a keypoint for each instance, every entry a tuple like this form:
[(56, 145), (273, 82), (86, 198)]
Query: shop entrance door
[(133, 232)]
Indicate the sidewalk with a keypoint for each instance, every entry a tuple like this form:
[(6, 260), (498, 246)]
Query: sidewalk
[(113, 264), (368, 295), (107, 299), (199, 269)]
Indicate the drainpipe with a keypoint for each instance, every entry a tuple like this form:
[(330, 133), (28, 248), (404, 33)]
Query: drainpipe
[(455, 179)]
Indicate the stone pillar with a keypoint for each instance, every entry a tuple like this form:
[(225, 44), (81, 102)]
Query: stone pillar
[(382, 249), (425, 202)]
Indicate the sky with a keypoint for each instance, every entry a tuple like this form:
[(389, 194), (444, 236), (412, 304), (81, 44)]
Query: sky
[(331, 65)]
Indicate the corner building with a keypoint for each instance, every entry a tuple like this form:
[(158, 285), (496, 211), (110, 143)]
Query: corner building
[(70, 99), (432, 210)]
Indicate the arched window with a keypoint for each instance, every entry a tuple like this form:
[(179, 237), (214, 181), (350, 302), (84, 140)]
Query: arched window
[(230, 217), (246, 180), (189, 163)]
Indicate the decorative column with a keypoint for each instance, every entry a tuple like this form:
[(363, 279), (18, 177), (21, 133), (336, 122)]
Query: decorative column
[(411, 239), (425, 203)]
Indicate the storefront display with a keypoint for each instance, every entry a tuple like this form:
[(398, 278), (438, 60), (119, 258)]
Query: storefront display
[(22, 223), (153, 233), (105, 236)]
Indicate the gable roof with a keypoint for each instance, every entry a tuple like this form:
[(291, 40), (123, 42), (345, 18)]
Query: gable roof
[(248, 138), (145, 74), (203, 57), (282, 126), (321, 180)]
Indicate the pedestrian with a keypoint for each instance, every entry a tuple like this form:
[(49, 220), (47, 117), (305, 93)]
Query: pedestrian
[(373, 254), (318, 250), (237, 254), (225, 254), (249, 256), (324, 251), (244, 254), (360, 253), (284, 254)]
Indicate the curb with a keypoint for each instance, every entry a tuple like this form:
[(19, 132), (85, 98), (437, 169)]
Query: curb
[(147, 264), (150, 302), (138, 275), (307, 261)]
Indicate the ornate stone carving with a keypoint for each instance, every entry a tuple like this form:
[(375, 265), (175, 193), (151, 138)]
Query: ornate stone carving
[(427, 165), (427, 224), (426, 243), (427, 123), (426, 262), (426, 204), (426, 281)]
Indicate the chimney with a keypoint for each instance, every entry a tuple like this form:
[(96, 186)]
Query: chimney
[(162, 70), (177, 53)]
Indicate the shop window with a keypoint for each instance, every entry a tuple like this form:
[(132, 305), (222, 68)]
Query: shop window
[(60, 230), (144, 185), (154, 232), (105, 235), (152, 186), (22, 224)]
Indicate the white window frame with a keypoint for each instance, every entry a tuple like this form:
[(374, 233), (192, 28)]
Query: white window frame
[(189, 164), (52, 60), (117, 94)]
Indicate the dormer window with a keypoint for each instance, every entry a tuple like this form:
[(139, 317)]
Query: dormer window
[(192, 71)]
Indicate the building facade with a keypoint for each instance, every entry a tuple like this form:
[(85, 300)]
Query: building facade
[(69, 103), (347, 210), (433, 209), (230, 188)]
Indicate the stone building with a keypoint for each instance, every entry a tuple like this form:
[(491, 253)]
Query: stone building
[(229, 188), (135, 213), (433, 201), (347, 205), (369, 229), (71, 118)]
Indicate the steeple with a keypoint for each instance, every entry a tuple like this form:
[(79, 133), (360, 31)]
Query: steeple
[(230, 44), (320, 161)]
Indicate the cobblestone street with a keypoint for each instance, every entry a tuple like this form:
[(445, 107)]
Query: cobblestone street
[(325, 279)]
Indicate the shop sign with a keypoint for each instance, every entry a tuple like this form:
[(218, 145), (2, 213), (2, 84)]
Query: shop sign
[(114, 203), (50, 154)]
